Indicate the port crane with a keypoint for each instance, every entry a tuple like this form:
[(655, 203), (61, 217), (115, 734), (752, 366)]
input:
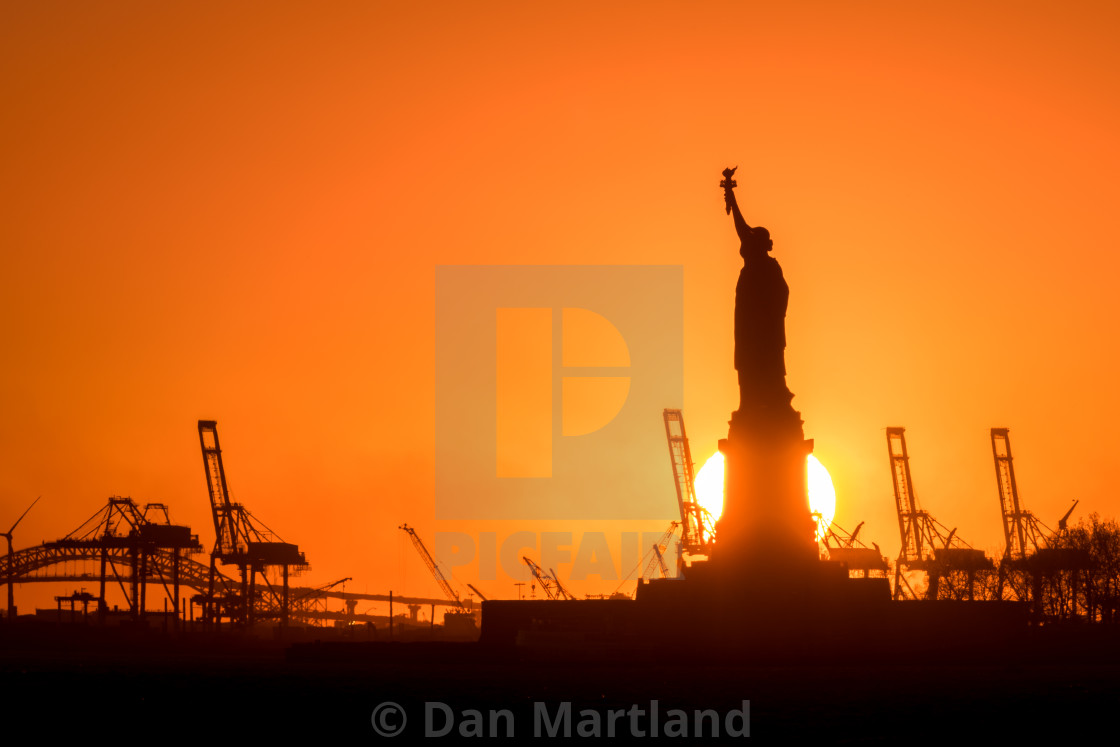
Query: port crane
[(927, 544), (697, 524), (1031, 556), (1023, 533), (122, 535), (242, 540)]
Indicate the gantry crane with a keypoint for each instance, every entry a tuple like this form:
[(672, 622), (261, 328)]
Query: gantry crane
[(1029, 545), (1022, 532), (697, 525), (239, 541), (550, 585), (147, 543), (927, 544)]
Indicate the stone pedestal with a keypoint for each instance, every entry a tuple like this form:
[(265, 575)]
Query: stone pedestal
[(766, 528)]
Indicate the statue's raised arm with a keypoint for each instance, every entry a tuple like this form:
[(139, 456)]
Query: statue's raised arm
[(761, 296), (732, 204)]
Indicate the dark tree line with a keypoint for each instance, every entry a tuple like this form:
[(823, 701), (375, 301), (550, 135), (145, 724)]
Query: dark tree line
[(1077, 576), (1096, 542)]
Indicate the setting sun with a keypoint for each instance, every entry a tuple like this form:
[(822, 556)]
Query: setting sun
[(822, 493)]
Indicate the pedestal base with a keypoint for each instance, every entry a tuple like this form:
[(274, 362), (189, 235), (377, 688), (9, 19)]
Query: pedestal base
[(766, 528)]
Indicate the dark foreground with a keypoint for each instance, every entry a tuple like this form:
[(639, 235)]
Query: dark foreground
[(151, 686)]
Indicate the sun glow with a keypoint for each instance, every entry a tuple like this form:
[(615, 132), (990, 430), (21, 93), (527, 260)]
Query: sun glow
[(822, 493)]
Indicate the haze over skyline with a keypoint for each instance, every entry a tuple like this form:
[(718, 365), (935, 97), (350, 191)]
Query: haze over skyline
[(236, 213)]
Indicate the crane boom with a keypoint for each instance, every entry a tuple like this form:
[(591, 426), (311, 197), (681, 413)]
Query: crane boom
[(1014, 533), (909, 526), (564, 593), (225, 516), (433, 567), (1023, 533), (658, 549), (660, 561), (1062, 521), (541, 577), (550, 585), (695, 536)]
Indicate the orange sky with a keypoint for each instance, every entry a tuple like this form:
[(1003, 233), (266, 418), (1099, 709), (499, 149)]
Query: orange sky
[(237, 214)]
